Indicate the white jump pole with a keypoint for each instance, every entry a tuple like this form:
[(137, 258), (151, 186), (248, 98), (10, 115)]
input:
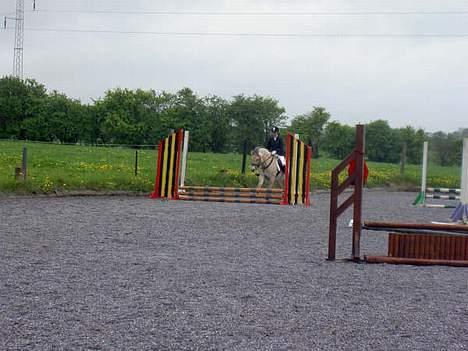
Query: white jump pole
[(461, 212), (184, 158), (424, 167), (421, 199)]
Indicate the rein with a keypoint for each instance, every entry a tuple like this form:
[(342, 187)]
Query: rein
[(272, 158), (261, 164)]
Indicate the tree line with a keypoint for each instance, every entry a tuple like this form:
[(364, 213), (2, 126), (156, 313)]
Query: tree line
[(140, 117)]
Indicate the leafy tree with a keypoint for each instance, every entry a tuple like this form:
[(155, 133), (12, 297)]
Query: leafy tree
[(252, 118), (338, 140), (57, 118), (18, 101), (124, 116), (446, 149), (218, 123), (189, 112), (414, 140), (382, 142), (311, 126)]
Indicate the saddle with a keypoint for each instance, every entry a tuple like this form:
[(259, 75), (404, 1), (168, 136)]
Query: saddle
[(280, 166)]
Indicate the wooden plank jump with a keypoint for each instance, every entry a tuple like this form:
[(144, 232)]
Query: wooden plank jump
[(238, 200), (231, 194), (423, 244), (232, 190)]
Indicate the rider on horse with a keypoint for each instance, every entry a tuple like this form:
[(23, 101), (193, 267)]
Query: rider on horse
[(276, 146)]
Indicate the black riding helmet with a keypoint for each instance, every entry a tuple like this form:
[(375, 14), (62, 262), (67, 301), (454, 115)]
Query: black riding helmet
[(275, 129)]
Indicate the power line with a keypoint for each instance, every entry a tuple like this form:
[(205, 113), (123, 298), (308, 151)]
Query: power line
[(261, 13), (250, 34)]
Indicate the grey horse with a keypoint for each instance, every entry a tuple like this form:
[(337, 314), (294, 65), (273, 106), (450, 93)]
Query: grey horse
[(264, 164)]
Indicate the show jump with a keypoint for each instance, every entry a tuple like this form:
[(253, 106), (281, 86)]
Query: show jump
[(171, 171)]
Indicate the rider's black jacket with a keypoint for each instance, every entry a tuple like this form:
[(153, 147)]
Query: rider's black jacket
[(276, 145)]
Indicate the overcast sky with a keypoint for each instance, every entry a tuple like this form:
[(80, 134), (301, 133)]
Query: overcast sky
[(418, 81)]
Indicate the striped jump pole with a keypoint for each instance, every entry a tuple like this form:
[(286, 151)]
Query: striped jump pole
[(297, 172), (235, 195), (166, 185), (439, 206), (443, 190), (442, 197)]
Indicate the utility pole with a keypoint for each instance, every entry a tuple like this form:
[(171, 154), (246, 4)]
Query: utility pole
[(19, 39)]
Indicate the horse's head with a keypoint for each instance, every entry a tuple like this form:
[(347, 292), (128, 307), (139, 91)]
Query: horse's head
[(258, 157)]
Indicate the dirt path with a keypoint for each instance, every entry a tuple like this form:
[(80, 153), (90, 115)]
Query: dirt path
[(126, 273)]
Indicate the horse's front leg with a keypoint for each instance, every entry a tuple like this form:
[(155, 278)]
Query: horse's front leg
[(261, 179), (272, 182)]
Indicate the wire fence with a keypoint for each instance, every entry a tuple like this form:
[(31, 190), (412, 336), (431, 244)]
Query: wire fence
[(128, 146), (49, 166)]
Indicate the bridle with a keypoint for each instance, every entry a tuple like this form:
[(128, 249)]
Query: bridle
[(261, 164)]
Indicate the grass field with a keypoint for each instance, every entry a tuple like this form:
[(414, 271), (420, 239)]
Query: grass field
[(66, 167)]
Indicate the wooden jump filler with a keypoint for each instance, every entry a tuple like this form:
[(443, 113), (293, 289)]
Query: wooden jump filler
[(171, 176), (408, 243)]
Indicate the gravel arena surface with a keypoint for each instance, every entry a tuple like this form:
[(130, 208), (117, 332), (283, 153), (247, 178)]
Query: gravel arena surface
[(123, 273)]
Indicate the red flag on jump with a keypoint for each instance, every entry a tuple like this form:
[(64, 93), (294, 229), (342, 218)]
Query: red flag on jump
[(352, 168)]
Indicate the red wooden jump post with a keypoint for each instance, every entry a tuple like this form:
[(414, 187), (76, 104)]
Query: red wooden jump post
[(357, 181)]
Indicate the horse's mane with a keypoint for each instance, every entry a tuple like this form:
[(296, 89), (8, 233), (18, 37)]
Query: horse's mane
[(260, 148)]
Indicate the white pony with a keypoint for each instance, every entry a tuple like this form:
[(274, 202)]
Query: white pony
[(265, 165)]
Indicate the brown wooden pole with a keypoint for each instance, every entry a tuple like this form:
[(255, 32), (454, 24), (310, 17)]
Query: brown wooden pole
[(18, 174), (358, 187), (24, 167), (136, 163), (333, 217), (244, 157), (415, 261), (422, 226), (403, 158)]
